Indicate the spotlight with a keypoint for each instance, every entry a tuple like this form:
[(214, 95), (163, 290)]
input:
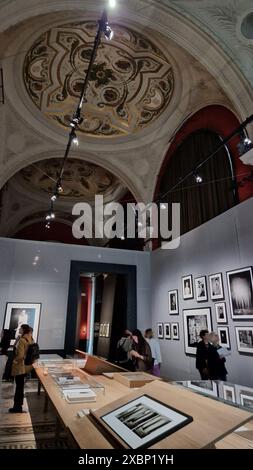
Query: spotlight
[(198, 178), (59, 187), (108, 32), (163, 206), (48, 217), (112, 3), (54, 197), (75, 140), (75, 121), (247, 142), (48, 225), (52, 215)]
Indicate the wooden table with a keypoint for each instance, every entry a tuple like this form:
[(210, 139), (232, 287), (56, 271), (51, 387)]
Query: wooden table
[(212, 420)]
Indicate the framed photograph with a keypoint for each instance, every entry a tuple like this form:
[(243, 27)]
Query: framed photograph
[(195, 320), (173, 302), (107, 330), (167, 331), (141, 422), (229, 393), (247, 401), (208, 387), (17, 314), (223, 334), (240, 289), (187, 287), (201, 289), (244, 339), (175, 330), (216, 286), (160, 330), (221, 312)]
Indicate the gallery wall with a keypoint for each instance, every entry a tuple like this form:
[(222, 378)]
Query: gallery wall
[(220, 245), (38, 272)]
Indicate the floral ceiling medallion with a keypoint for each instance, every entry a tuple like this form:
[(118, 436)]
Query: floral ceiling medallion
[(131, 82)]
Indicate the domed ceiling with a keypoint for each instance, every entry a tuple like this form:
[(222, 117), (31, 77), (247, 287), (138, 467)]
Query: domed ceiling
[(131, 82), (80, 179)]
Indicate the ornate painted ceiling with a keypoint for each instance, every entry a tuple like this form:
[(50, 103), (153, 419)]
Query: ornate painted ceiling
[(80, 179), (131, 82)]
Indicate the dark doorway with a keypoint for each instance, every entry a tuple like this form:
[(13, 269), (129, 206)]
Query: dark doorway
[(115, 306)]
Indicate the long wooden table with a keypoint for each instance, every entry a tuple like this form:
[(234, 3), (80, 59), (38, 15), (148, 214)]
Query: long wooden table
[(212, 420)]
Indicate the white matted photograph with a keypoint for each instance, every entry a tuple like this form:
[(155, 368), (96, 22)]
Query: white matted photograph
[(201, 289), (167, 331), (195, 320), (216, 286), (229, 393), (240, 289), (175, 330), (208, 387), (173, 302), (160, 330), (223, 334), (17, 314), (244, 339), (187, 287), (143, 421), (221, 312), (247, 400)]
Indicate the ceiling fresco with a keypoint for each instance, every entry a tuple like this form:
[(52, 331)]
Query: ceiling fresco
[(80, 179), (131, 83)]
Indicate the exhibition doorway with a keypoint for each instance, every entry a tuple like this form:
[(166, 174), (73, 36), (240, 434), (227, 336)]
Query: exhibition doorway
[(102, 302)]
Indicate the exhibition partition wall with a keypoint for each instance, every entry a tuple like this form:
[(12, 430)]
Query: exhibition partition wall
[(207, 283), (34, 276)]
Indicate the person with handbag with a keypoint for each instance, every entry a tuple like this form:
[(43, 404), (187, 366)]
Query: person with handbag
[(19, 369)]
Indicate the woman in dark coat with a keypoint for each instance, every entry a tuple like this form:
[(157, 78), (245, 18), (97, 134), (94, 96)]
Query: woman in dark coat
[(216, 363), (141, 353)]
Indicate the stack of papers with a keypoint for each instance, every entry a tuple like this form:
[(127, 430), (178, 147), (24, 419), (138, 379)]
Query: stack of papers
[(79, 395), (69, 379)]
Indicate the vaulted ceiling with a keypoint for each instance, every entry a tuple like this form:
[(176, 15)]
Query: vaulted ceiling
[(167, 60)]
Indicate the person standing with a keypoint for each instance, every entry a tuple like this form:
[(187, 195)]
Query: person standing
[(19, 369), (216, 362), (155, 351), (140, 352), (4, 346), (202, 355)]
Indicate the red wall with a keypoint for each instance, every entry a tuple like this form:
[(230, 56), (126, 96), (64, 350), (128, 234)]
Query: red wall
[(222, 121)]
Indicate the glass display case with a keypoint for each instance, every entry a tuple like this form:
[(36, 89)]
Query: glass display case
[(232, 394)]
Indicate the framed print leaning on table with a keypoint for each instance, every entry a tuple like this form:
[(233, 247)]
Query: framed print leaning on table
[(140, 422), (17, 314)]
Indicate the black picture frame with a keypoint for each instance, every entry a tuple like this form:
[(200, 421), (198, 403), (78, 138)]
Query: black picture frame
[(185, 419), (221, 313), (167, 331), (175, 331), (173, 306), (220, 330), (240, 291), (201, 289), (18, 313), (160, 332), (193, 324)]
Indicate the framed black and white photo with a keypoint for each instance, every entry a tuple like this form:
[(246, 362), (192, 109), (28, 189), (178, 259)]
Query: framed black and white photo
[(142, 421), (201, 289), (160, 330), (229, 393), (175, 330), (17, 314), (223, 334), (167, 331), (187, 287), (173, 302), (244, 339), (195, 320), (221, 312), (247, 400), (240, 289), (216, 286), (208, 387)]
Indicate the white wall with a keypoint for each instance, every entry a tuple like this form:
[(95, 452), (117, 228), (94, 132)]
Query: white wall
[(48, 281), (220, 245)]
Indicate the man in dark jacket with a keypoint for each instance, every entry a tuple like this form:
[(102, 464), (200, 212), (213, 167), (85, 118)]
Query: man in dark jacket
[(202, 355)]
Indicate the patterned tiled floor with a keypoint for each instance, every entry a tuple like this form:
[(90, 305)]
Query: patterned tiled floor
[(31, 429)]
